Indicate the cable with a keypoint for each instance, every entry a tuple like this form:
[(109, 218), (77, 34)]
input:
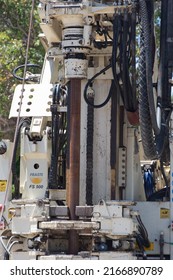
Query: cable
[(116, 33), (88, 84), (8, 246), (159, 195), (22, 66), (4, 246), (127, 88), (124, 35), (102, 32), (12, 244), (23, 122), (142, 236), (52, 181)]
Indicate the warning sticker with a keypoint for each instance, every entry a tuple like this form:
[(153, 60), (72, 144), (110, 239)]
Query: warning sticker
[(164, 213), (151, 247), (3, 185)]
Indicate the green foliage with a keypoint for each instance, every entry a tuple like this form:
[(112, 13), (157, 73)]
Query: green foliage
[(14, 26)]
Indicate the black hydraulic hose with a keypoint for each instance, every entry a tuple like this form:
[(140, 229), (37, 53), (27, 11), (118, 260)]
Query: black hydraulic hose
[(31, 65), (102, 32), (127, 89), (142, 236), (122, 37), (62, 136), (55, 119), (117, 32), (25, 122), (124, 63), (146, 26), (90, 82), (52, 181), (143, 232), (159, 195)]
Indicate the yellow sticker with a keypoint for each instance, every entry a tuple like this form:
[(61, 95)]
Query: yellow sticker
[(36, 180), (150, 248), (164, 213), (3, 185)]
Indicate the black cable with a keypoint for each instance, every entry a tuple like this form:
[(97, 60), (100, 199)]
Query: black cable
[(123, 62), (122, 38), (143, 234), (90, 82), (116, 33), (127, 89), (102, 32), (142, 226), (24, 122), (22, 66), (159, 195), (52, 181)]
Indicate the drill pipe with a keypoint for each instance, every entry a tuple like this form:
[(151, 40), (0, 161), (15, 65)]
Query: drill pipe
[(73, 165)]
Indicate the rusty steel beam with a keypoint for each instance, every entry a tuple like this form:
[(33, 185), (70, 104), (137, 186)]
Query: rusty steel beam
[(73, 161)]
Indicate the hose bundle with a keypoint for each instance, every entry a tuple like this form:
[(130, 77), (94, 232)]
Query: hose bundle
[(123, 61), (123, 58), (142, 236)]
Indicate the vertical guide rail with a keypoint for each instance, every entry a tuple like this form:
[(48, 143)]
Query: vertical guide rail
[(73, 165), (171, 190), (171, 179), (168, 68)]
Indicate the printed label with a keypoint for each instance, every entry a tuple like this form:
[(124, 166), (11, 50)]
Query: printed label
[(3, 185), (164, 213)]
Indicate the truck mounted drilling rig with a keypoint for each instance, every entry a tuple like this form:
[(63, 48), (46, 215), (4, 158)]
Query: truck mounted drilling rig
[(95, 134)]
